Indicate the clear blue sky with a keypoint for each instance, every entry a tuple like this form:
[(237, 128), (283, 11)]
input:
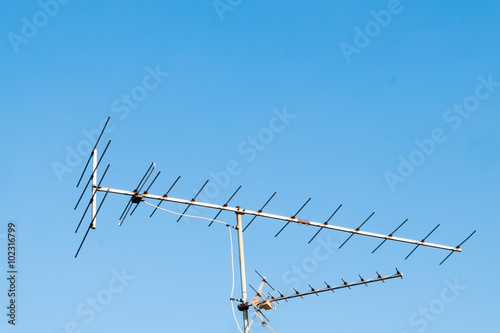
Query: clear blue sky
[(384, 106)]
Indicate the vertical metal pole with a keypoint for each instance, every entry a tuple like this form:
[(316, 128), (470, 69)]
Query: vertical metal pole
[(94, 187), (242, 272)]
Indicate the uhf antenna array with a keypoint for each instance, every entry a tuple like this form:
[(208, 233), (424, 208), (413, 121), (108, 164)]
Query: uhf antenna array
[(261, 301)]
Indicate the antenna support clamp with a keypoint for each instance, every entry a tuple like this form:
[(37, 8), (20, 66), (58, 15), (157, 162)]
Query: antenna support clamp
[(243, 306), (137, 198)]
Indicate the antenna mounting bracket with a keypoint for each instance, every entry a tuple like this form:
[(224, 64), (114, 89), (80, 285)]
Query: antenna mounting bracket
[(137, 198)]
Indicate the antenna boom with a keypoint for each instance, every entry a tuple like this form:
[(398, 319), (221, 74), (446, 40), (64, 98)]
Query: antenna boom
[(282, 218)]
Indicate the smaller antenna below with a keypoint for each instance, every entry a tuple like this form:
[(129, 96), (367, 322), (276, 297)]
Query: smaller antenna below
[(261, 301)]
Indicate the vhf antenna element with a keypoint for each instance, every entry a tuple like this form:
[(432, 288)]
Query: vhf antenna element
[(261, 301)]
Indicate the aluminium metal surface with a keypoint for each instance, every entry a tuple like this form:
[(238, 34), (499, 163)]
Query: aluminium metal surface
[(282, 218)]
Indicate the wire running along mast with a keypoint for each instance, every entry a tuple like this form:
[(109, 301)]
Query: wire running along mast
[(266, 302)]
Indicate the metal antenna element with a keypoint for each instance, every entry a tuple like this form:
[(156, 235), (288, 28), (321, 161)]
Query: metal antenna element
[(293, 218), (392, 234), (103, 175), (91, 152), (357, 229), (335, 212), (92, 175), (146, 192), (90, 225), (136, 197), (423, 241), (265, 280), (328, 286), (84, 213), (145, 177), (313, 290), (152, 182), (165, 195), (193, 200), (225, 205), (362, 280), (260, 211), (458, 246)]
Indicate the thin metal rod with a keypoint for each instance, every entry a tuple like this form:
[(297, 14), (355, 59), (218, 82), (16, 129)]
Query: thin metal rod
[(325, 224), (423, 241), (357, 229), (345, 285), (242, 271), (362, 280), (94, 187), (92, 152), (293, 217), (265, 280), (313, 290), (84, 213), (120, 223), (467, 238), (93, 172), (260, 211), (145, 177), (124, 213), (458, 246), (132, 212), (90, 225), (166, 195), (225, 205), (151, 166), (392, 233), (282, 218), (103, 175), (449, 255), (192, 200), (154, 179)]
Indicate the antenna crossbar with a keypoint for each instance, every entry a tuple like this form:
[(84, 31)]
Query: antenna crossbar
[(281, 218)]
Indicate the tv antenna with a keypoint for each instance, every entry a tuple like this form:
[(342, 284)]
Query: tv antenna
[(261, 301)]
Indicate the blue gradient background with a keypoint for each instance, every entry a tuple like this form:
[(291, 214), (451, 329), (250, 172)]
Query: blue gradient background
[(353, 121)]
